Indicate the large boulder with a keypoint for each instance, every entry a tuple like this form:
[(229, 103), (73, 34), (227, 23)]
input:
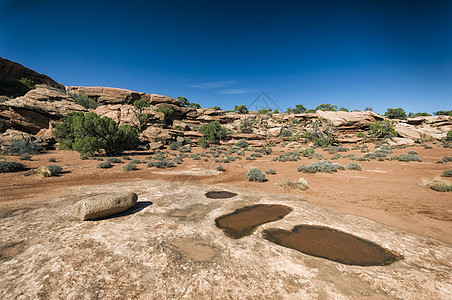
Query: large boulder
[(11, 135), (355, 119), (104, 205), (155, 134), (10, 74), (420, 132)]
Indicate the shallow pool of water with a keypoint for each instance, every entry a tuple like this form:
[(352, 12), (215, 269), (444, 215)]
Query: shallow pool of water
[(243, 221), (220, 194), (332, 244)]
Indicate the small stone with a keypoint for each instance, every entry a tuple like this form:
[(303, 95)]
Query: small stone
[(104, 205)]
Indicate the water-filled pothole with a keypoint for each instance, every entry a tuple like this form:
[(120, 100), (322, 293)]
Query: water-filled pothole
[(243, 221), (220, 194), (332, 244)]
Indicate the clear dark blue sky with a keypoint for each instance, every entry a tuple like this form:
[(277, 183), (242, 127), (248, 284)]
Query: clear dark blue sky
[(378, 53)]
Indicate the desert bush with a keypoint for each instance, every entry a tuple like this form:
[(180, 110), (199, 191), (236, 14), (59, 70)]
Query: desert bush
[(320, 166), (256, 154), (412, 152), (86, 102), (395, 113), (443, 113), (336, 156), (220, 168), (114, 160), (285, 132), (27, 82), (382, 129), (255, 174), (185, 149), (242, 143), (125, 157), (25, 156), (353, 166), (246, 125), (321, 138), (407, 157), (299, 109), (177, 160), (52, 159), (90, 133), (444, 159), (301, 184), (213, 132), (441, 185), (130, 167), (203, 143), (22, 146), (105, 165), (447, 173), (175, 145), (140, 104), (135, 161), (10, 166), (270, 171), (161, 164), (49, 171)]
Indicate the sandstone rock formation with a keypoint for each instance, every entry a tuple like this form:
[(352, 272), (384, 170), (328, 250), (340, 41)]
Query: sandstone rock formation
[(104, 205), (11, 72), (107, 95), (356, 119)]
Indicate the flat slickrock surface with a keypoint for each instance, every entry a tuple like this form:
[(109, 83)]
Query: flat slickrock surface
[(168, 247)]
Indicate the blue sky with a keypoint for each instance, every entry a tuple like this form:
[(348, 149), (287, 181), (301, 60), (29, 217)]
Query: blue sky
[(378, 53)]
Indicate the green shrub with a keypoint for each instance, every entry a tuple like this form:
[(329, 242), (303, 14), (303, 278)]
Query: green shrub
[(242, 143), (246, 125), (177, 160), (326, 107), (271, 171), (250, 158), (382, 129), (299, 109), (440, 185), (321, 138), (185, 149), (90, 133), (161, 164), (213, 132), (320, 166), (86, 102), (241, 109), (407, 157), (220, 168), (448, 137), (175, 145), (125, 157), (49, 171), (443, 113), (105, 165), (395, 113), (203, 143), (27, 82), (353, 166), (255, 174), (447, 173), (169, 114), (130, 167), (25, 156), (10, 166), (22, 146), (114, 160), (140, 104), (285, 132), (52, 159)]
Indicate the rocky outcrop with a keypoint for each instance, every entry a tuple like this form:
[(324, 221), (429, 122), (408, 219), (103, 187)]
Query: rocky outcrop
[(104, 205), (121, 114), (45, 101), (107, 95), (156, 134), (356, 119), (33, 111), (420, 132), (11, 135), (10, 74)]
